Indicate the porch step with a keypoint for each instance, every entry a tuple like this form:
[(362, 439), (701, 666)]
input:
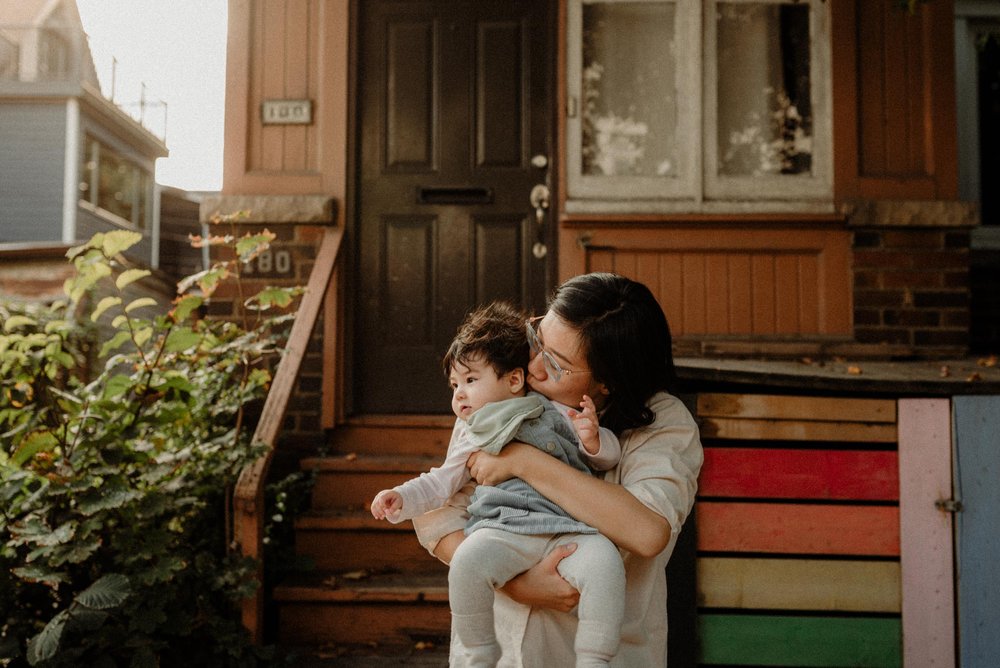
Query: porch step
[(356, 609), (352, 481), (394, 435), (353, 539)]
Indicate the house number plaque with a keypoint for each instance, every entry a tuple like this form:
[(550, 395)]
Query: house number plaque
[(286, 112)]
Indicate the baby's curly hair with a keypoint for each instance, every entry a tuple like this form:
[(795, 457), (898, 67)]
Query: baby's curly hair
[(494, 333)]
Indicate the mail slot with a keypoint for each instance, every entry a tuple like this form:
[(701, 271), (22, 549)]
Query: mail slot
[(454, 195)]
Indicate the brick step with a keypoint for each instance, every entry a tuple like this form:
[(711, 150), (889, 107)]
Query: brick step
[(352, 481), (410, 435), (389, 610), (354, 540)]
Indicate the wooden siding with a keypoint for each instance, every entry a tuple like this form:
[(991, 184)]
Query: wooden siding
[(32, 137), (287, 49), (893, 90), (977, 434), (798, 532), (926, 533), (726, 281)]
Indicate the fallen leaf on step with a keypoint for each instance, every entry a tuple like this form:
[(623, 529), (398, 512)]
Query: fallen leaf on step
[(422, 645), (806, 360), (351, 456), (356, 575), (945, 371), (854, 370), (973, 377), (988, 362), (330, 582)]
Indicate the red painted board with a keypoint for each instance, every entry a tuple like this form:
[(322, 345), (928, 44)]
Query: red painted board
[(787, 528), (782, 473)]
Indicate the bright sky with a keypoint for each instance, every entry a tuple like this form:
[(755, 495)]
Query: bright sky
[(178, 48)]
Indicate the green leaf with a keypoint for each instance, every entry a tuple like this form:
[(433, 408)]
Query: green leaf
[(36, 573), (33, 443), (119, 241), (108, 592), (119, 321), (184, 306), (271, 296), (182, 339), (207, 280), (139, 303), (45, 645), (131, 276), (103, 306), (116, 386), (114, 342), (107, 500), (252, 245), (143, 335), (15, 321)]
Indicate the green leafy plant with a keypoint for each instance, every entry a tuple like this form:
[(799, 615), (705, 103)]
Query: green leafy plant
[(116, 469)]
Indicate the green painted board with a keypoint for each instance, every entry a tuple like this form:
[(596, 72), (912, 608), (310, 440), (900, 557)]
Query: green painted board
[(776, 640)]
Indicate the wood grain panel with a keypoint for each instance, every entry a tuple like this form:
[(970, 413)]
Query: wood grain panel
[(926, 533), (717, 291), (777, 473), (775, 640), (270, 64), (740, 291), (409, 105), (499, 272), (799, 584), (407, 279), (296, 82), (695, 318), (786, 294), (977, 425), (765, 307), (499, 117), (788, 430), (786, 528), (781, 407)]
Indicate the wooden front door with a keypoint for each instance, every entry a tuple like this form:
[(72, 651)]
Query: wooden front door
[(455, 116)]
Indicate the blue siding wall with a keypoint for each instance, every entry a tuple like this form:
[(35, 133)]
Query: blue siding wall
[(32, 151)]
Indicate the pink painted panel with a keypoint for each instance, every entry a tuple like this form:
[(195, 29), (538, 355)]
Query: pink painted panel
[(926, 549)]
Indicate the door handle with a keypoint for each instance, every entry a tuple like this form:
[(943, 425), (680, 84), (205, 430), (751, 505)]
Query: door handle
[(539, 199)]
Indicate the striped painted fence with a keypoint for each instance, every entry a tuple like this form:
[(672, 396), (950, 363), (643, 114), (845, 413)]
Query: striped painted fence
[(819, 542)]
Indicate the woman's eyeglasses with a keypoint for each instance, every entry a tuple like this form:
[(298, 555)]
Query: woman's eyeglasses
[(536, 347)]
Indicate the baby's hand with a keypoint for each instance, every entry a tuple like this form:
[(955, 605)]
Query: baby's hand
[(387, 505), (586, 425)]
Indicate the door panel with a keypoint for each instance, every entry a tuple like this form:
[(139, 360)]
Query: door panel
[(454, 101)]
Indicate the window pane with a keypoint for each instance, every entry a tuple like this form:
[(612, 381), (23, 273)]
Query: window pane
[(765, 124), (115, 193), (629, 101)]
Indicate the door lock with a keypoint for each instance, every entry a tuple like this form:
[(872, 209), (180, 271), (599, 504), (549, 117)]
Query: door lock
[(539, 199)]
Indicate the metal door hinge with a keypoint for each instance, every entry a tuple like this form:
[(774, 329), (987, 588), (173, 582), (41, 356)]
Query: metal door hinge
[(948, 505)]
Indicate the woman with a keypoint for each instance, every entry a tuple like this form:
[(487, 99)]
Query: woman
[(604, 336)]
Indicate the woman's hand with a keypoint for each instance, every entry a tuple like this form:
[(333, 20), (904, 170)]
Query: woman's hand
[(541, 586), (489, 469)]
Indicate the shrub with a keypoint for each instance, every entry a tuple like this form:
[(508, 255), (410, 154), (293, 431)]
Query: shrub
[(114, 488)]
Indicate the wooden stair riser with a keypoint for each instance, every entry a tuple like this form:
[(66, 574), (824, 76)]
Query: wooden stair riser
[(406, 441), (364, 549), (353, 489), (361, 622)]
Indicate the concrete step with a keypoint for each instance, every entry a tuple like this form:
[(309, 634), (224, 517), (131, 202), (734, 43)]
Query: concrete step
[(397, 611), (350, 482), (354, 540)]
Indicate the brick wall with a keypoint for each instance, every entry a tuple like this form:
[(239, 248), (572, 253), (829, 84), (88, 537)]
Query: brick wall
[(298, 223), (911, 288)]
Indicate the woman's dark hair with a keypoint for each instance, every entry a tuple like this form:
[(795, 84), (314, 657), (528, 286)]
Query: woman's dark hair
[(494, 333), (629, 347)]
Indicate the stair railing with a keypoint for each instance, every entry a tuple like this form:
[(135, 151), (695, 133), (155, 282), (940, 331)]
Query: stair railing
[(248, 497)]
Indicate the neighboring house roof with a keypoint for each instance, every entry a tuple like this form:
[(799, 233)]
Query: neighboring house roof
[(16, 18)]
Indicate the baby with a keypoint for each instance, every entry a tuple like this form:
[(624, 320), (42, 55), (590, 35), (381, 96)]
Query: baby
[(512, 526)]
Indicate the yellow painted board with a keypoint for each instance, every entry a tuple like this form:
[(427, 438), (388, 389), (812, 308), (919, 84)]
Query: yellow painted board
[(799, 584), (797, 430), (778, 407)]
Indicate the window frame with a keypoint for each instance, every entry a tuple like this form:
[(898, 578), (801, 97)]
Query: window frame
[(141, 190), (698, 188)]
